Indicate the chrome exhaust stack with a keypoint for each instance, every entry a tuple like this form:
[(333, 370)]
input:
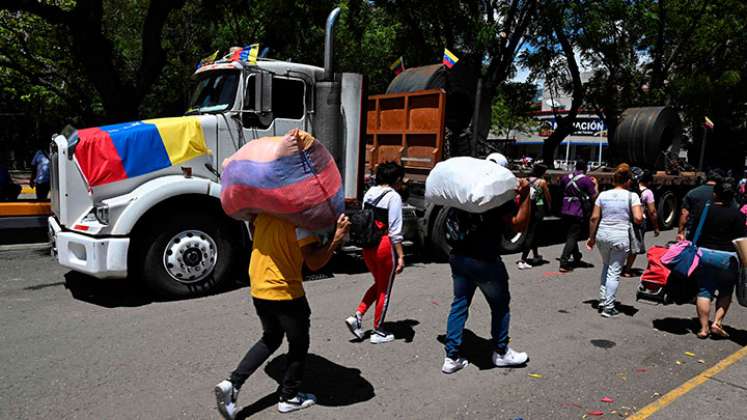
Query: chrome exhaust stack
[(329, 41)]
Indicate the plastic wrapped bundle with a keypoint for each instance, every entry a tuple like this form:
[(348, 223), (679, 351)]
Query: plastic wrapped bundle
[(293, 177), (469, 184)]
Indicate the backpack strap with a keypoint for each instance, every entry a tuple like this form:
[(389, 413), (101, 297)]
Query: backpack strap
[(376, 201), (701, 222), (572, 182)]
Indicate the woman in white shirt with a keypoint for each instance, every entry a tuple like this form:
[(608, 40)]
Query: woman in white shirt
[(386, 259), (611, 219)]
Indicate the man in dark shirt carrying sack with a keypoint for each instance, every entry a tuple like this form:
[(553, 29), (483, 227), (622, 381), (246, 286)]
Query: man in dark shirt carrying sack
[(476, 263)]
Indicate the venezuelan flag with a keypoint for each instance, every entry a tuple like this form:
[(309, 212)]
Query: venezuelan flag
[(449, 58), (112, 153)]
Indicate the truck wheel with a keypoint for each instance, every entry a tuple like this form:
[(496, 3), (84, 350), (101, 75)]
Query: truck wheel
[(439, 246), (512, 242), (189, 255), (667, 210)]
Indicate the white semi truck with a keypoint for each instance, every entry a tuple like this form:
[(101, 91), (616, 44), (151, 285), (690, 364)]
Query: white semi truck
[(167, 227)]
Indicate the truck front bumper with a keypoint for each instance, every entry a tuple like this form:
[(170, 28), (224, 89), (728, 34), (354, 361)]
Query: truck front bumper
[(98, 257)]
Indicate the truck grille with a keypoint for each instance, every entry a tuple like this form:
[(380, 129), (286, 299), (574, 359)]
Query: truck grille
[(54, 178)]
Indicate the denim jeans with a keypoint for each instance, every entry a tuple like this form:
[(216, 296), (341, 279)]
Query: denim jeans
[(614, 249), (492, 279)]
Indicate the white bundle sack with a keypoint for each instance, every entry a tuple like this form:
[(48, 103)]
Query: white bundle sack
[(469, 184)]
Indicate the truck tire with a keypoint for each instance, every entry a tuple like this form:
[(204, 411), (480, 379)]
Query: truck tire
[(667, 209), (189, 254), (512, 242), (440, 248)]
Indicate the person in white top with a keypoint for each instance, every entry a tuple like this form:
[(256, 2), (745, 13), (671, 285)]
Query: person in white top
[(613, 213), (386, 259)]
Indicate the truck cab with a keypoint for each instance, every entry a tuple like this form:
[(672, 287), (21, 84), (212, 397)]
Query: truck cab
[(166, 226)]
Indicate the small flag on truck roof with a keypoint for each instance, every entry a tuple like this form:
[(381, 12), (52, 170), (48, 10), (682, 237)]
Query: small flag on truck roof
[(248, 54), (449, 58), (207, 60)]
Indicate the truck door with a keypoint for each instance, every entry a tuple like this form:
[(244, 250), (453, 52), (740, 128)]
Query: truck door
[(286, 108)]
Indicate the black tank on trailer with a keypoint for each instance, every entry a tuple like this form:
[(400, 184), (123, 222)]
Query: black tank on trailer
[(643, 134)]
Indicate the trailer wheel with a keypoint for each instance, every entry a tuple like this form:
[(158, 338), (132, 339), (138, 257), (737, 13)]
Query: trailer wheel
[(512, 242), (667, 209), (439, 246), (188, 255)]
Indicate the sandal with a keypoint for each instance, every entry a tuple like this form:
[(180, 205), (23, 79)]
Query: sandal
[(702, 336), (718, 331)]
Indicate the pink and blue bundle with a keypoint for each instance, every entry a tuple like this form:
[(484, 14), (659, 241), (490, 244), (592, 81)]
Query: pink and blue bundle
[(292, 177)]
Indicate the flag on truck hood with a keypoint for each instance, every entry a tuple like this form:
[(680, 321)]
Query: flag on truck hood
[(115, 152)]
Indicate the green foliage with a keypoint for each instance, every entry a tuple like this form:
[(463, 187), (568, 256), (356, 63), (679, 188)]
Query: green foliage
[(511, 108), (691, 54)]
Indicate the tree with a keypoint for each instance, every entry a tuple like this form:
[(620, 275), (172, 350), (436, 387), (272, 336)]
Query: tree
[(121, 90), (553, 58), (511, 107)]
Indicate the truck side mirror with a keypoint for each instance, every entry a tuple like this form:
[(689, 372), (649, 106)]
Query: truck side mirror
[(263, 92)]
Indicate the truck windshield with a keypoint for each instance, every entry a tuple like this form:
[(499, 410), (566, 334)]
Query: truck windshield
[(215, 92)]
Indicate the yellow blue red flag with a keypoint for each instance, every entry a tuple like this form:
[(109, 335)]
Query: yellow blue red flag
[(208, 60), (449, 58), (398, 66), (708, 123)]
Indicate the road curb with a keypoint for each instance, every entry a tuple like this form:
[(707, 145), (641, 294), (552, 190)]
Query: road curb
[(26, 247)]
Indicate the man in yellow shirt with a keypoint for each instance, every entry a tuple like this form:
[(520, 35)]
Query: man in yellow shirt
[(278, 255)]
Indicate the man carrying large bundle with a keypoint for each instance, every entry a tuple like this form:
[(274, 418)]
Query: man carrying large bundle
[(482, 208), (279, 252)]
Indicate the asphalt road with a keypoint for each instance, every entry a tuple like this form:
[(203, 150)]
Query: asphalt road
[(79, 348)]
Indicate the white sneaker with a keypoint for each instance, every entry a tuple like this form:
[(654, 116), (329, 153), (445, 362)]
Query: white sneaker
[(453, 365), (523, 265), (379, 337), (354, 325), (299, 402), (511, 358), (226, 395)]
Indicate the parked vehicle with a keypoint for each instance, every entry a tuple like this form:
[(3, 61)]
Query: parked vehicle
[(167, 226)]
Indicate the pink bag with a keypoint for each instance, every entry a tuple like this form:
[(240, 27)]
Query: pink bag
[(675, 250)]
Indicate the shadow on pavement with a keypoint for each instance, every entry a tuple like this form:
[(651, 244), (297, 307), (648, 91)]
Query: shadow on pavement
[(117, 293), (477, 350), (334, 385), (628, 310), (109, 293), (402, 330), (682, 326)]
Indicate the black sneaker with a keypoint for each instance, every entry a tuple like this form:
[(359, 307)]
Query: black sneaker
[(610, 312)]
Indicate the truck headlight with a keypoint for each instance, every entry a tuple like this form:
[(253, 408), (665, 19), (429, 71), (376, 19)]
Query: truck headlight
[(102, 213)]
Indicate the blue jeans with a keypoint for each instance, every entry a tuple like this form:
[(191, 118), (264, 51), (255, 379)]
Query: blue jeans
[(492, 279)]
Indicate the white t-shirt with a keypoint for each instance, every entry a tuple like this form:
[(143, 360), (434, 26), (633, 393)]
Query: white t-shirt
[(615, 205), (393, 202)]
